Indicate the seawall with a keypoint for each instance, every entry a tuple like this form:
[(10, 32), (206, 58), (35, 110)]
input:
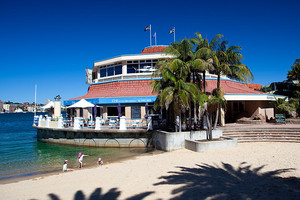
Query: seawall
[(95, 138)]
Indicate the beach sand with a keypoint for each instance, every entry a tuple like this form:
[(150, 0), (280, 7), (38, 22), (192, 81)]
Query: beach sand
[(249, 171)]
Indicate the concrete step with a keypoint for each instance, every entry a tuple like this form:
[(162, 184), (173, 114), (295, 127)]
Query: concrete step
[(264, 135), (262, 130), (262, 140)]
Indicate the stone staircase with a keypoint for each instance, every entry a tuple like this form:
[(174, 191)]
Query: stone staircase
[(268, 134)]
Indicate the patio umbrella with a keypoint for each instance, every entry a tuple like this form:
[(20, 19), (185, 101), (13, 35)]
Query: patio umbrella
[(95, 111), (146, 110), (82, 104), (48, 106), (119, 110)]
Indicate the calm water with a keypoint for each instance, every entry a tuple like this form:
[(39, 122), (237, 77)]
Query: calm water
[(22, 155)]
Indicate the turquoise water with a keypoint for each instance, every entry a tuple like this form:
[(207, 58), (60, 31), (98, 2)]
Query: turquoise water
[(22, 155)]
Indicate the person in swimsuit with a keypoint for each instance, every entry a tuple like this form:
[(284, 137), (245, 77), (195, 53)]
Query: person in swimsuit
[(80, 159), (65, 166)]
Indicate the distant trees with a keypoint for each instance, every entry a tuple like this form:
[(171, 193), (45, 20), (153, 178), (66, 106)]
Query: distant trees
[(287, 88), (294, 74)]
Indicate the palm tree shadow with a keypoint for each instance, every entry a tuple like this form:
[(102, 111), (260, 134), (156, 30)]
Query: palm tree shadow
[(113, 193), (225, 182)]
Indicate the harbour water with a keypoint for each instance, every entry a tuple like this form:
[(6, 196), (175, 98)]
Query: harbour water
[(22, 155)]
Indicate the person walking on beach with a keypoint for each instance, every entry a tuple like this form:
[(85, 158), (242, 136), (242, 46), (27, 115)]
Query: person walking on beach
[(65, 166), (80, 159)]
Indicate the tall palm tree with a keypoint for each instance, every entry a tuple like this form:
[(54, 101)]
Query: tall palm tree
[(228, 61), (173, 89), (202, 61)]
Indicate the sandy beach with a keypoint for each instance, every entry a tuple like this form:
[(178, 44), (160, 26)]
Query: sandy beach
[(249, 171)]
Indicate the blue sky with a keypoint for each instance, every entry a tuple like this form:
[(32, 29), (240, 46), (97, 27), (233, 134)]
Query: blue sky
[(50, 43)]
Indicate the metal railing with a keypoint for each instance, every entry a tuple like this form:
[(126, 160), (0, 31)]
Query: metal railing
[(109, 123)]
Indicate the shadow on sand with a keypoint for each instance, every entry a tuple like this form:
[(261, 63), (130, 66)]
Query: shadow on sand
[(216, 182), (225, 182), (97, 195)]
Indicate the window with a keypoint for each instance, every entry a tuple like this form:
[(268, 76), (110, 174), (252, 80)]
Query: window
[(112, 111), (110, 70), (132, 68), (238, 107), (118, 69), (103, 72), (135, 112)]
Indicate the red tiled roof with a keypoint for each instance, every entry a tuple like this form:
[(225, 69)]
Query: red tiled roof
[(119, 89), (142, 88), (230, 87), (255, 86), (154, 49)]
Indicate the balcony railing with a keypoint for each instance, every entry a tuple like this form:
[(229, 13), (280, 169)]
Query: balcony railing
[(123, 77)]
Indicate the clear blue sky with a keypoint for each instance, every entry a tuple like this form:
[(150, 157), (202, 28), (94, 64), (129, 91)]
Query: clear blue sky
[(50, 43)]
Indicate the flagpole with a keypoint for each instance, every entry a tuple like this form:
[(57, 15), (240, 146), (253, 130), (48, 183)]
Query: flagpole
[(174, 34), (35, 101), (150, 36), (155, 39)]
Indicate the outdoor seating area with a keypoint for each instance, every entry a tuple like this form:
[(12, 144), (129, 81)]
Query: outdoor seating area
[(109, 123)]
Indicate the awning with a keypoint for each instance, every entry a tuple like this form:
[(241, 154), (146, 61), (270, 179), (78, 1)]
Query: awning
[(116, 100)]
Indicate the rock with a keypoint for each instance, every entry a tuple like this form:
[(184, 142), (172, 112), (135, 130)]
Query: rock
[(259, 117)]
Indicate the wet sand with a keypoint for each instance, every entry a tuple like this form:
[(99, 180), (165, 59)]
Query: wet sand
[(251, 170)]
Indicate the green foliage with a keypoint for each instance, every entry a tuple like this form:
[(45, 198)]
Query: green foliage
[(283, 107), (296, 102), (266, 89), (294, 74)]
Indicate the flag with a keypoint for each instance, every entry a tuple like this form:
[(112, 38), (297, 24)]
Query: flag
[(148, 28), (154, 35), (172, 30)]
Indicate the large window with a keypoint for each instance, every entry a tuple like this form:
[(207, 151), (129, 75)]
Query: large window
[(135, 112), (110, 70), (103, 72), (131, 68), (118, 69), (113, 111), (141, 66)]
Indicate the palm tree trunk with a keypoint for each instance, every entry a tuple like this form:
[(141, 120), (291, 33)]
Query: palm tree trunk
[(217, 117), (209, 124), (204, 90), (195, 113), (190, 117), (218, 82), (179, 112)]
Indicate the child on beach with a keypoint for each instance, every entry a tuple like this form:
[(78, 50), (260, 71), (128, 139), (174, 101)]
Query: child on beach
[(65, 166), (80, 159), (100, 162)]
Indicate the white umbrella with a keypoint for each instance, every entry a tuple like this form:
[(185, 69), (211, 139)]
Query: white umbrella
[(48, 105), (82, 104)]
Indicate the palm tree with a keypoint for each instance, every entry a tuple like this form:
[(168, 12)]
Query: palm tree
[(214, 104), (202, 61), (184, 51), (173, 89), (228, 61)]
